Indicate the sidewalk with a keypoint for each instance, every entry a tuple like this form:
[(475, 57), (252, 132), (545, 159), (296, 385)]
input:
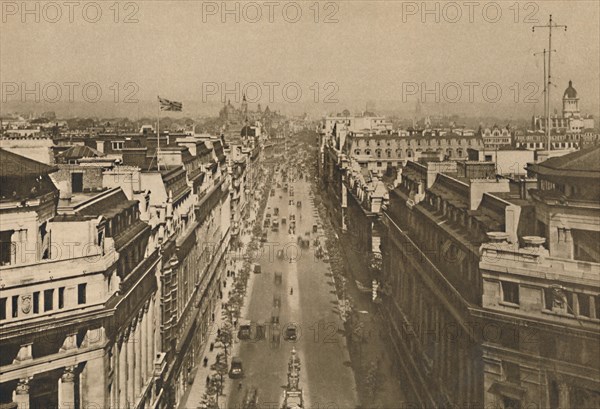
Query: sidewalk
[(193, 397)]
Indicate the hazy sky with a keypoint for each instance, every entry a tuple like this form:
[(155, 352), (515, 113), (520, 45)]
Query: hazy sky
[(383, 51)]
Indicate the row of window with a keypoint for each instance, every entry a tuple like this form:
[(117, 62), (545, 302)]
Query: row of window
[(557, 300), (419, 142), (122, 220), (39, 300), (409, 153)]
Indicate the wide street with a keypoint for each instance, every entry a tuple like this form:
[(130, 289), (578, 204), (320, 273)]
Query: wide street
[(325, 376)]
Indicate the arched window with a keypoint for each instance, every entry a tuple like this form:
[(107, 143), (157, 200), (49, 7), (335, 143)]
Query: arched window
[(368, 152), (357, 152), (409, 153)]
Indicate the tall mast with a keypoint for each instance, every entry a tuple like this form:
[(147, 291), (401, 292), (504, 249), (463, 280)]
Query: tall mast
[(549, 26), (158, 136)]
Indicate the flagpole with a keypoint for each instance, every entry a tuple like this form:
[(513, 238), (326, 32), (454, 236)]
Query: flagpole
[(158, 135)]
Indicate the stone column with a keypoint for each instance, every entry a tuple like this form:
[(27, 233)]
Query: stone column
[(144, 342), (150, 341), (122, 382), (138, 354), (563, 396), (21, 394), (130, 366), (66, 388)]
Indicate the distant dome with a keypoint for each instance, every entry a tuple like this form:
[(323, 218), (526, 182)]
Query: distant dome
[(570, 92)]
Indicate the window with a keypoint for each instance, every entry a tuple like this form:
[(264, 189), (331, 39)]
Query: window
[(117, 145), (77, 182), (584, 304), (48, 300), (379, 164), (36, 302), (510, 403), (61, 297), (570, 306), (510, 292), (6, 247), (2, 308), (15, 306), (81, 293)]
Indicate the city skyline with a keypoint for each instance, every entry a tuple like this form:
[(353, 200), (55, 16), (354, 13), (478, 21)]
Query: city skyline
[(203, 61)]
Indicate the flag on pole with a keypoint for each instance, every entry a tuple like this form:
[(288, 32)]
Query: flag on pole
[(167, 105)]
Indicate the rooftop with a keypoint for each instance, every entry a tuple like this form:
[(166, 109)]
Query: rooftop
[(583, 163)]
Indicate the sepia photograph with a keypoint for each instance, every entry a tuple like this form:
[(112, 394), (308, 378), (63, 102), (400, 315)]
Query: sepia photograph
[(310, 204)]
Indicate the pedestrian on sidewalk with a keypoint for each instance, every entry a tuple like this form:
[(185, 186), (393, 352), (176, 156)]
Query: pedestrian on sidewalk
[(207, 380), (206, 363), (218, 332)]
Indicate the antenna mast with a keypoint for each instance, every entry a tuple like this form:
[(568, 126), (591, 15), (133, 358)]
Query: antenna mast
[(549, 26)]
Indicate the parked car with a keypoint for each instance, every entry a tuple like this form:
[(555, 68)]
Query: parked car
[(256, 268)]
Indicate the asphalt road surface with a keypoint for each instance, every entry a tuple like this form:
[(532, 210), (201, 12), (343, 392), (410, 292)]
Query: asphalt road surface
[(325, 376)]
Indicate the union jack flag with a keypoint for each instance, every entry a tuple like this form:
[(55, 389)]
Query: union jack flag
[(167, 105)]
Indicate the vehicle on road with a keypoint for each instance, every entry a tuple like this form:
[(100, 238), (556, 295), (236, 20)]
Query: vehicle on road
[(236, 370), (256, 268), (275, 225), (283, 221), (276, 301), (276, 211), (315, 228), (245, 329), (298, 204), (278, 277), (264, 237), (291, 333), (275, 316), (250, 399)]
